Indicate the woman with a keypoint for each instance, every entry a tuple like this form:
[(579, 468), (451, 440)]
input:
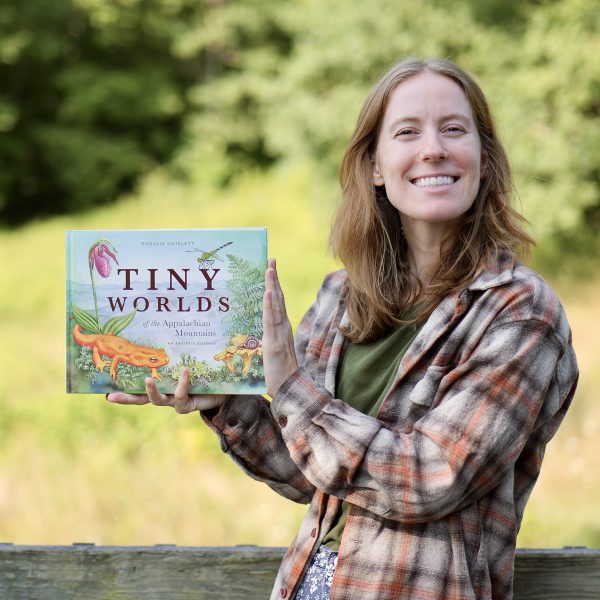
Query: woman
[(427, 377)]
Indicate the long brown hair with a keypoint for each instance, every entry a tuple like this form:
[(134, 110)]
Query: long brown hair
[(367, 234)]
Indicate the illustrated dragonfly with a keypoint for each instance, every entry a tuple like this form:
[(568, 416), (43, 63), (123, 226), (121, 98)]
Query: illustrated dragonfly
[(207, 258)]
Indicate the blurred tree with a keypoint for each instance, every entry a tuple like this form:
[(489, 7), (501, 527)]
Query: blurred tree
[(92, 94), (510, 14), (297, 74), (95, 92), (252, 40), (547, 92), (339, 53), (536, 60)]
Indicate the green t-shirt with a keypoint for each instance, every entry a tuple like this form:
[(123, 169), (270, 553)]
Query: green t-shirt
[(364, 376)]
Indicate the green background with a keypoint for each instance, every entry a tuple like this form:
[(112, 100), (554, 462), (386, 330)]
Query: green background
[(181, 113)]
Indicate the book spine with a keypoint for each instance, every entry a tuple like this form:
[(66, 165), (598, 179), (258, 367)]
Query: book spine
[(69, 358)]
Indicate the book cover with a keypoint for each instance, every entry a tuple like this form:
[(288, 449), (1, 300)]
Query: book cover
[(147, 303)]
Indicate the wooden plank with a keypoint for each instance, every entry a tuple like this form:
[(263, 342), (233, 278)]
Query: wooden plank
[(567, 574), (88, 572)]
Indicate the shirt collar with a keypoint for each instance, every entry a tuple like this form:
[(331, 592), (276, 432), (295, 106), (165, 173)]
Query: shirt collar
[(497, 272)]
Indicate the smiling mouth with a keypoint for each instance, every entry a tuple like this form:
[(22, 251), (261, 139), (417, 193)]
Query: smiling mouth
[(434, 181)]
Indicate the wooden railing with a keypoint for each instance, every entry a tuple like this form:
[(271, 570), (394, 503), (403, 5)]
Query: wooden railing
[(89, 572)]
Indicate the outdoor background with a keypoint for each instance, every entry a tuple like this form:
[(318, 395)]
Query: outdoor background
[(204, 113)]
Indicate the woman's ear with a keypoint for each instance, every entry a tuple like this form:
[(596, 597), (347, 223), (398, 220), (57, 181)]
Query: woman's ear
[(377, 176)]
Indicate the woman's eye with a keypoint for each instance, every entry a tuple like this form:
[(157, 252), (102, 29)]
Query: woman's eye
[(455, 129), (405, 132)]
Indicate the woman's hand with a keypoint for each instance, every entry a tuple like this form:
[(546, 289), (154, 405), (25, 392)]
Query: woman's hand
[(180, 400), (279, 356)]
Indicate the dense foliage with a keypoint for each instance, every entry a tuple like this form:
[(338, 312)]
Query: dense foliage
[(96, 93), (92, 95)]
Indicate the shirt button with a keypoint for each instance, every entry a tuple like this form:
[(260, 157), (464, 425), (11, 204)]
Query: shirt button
[(283, 592), (232, 422), (313, 533), (282, 421)]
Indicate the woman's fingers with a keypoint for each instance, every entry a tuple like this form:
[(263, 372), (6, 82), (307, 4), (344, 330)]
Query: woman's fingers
[(269, 307), (279, 357), (122, 398), (278, 297), (274, 318), (181, 401), (274, 299), (154, 395), (181, 391), (272, 310)]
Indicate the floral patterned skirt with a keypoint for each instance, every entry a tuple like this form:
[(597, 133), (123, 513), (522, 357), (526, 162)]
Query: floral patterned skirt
[(317, 580)]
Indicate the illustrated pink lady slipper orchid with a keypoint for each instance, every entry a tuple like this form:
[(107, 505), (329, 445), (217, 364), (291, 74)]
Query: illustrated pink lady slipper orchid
[(100, 255)]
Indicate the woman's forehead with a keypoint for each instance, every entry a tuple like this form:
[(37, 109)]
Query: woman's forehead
[(427, 94)]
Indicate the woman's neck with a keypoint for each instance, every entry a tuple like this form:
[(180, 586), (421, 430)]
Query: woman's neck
[(426, 242)]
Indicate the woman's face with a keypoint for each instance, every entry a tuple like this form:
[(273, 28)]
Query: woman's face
[(428, 153)]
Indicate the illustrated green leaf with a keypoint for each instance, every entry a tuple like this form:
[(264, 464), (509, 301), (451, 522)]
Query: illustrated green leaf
[(117, 324), (85, 320)]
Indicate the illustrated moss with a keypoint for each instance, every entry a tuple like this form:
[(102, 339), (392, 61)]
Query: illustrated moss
[(202, 375)]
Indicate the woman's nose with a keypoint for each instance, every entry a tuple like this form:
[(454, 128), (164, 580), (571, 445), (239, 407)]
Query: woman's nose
[(433, 147)]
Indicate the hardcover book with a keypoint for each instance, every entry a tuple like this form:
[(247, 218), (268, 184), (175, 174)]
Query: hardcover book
[(148, 303)]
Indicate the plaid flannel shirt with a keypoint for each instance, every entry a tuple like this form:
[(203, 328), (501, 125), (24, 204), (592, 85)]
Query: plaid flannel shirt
[(438, 481)]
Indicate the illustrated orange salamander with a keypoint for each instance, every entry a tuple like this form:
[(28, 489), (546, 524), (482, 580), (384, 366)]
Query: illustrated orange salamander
[(121, 350)]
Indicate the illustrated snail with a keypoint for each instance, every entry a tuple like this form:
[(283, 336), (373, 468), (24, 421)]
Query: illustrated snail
[(251, 342)]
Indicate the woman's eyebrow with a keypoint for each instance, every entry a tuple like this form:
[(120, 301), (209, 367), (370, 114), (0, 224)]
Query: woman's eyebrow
[(457, 117), (407, 120), (400, 120)]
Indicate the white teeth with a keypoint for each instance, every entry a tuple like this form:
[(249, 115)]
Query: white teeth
[(431, 181)]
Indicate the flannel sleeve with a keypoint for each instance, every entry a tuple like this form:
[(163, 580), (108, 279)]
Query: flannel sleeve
[(250, 435), (515, 385)]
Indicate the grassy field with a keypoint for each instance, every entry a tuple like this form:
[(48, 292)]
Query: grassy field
[(75, 469)]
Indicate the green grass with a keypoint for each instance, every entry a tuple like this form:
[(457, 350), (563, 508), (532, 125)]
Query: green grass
[(76, 469)]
